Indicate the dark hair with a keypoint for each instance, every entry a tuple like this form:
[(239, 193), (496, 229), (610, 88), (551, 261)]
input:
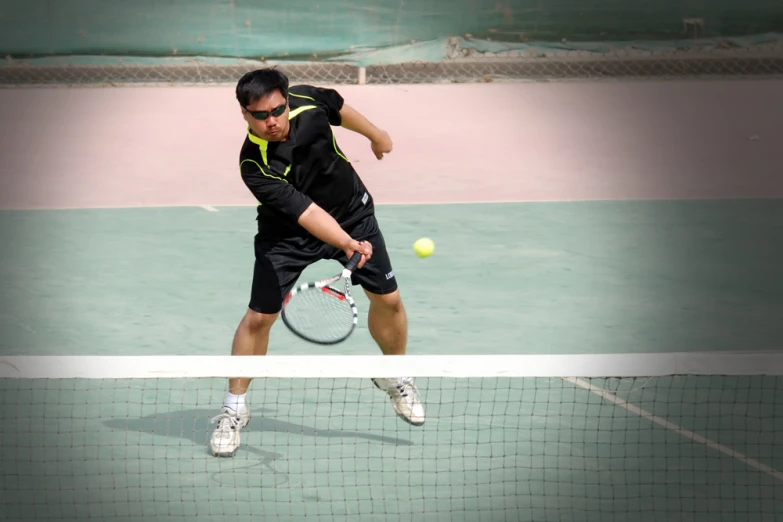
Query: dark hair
[(260, 83)]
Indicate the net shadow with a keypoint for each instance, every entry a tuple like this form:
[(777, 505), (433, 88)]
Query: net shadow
[(194, 426)]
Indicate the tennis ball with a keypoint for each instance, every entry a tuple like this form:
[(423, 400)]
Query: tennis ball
[(424, 247)]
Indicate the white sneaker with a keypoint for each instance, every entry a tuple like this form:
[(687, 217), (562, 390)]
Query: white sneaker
[(404, 398), (225, 438)]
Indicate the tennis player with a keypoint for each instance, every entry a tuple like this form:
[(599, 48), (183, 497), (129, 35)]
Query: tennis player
[(312, 206)]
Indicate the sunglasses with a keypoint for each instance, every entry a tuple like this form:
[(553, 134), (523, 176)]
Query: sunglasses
[(262, 115)]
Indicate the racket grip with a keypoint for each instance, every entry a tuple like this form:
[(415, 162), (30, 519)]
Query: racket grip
[(354, 261)]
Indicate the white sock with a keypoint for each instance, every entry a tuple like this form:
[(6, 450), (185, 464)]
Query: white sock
[(235, 402)]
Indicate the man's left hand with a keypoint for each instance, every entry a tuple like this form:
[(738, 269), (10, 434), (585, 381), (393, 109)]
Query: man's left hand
[(382, 144)]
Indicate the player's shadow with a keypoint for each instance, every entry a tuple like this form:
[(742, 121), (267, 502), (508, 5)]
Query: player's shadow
[(195, 426)]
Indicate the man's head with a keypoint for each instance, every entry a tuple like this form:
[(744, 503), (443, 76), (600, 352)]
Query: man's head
[(263, 97)]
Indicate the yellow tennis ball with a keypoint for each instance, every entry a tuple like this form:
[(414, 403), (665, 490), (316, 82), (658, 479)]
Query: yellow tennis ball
[(424, 247)]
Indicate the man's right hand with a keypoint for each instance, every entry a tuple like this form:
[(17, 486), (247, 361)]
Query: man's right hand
[(365, 247)]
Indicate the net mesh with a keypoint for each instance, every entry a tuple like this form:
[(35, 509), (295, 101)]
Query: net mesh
[(505, 438)]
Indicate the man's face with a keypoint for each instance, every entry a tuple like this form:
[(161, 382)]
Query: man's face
[(272, 122)]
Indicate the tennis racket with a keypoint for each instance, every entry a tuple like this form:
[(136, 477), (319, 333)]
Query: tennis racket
[(320, 311)]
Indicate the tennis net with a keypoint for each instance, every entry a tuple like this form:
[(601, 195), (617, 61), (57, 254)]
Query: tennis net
[(641, 437)]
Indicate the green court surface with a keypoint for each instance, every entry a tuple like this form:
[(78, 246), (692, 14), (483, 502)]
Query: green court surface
[(577, 277), (598, 277)]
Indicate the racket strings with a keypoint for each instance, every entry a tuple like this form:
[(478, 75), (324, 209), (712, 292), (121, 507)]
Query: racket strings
[(321, 314)]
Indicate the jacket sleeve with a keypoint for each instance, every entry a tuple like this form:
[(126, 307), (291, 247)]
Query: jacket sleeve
[(329, 99), (271, 188)]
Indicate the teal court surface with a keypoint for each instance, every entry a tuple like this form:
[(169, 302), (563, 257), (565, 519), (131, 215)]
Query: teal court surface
[(563, 279), (568, 277)]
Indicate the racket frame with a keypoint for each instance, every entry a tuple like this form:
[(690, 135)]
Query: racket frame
[(344, 275)]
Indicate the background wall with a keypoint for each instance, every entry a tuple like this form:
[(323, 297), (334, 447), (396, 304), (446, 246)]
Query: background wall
[(296, 29)]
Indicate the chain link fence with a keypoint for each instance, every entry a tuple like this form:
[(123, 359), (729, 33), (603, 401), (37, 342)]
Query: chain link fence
[(461, 66)]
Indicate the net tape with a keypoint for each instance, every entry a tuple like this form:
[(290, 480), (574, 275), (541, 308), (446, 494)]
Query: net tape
[(461, 66)]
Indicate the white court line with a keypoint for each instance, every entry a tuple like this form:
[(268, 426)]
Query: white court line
[(671, 426), (209, 208)]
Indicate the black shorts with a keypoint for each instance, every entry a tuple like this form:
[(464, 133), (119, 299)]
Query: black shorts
[(279, 263)]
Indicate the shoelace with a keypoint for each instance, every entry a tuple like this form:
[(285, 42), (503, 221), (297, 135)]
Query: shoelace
[(404, 385), (232, 420)]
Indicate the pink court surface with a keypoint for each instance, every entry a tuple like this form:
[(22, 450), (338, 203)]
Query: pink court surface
[(174, 146)]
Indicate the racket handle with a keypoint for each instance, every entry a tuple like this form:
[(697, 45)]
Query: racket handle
[(354, 262)]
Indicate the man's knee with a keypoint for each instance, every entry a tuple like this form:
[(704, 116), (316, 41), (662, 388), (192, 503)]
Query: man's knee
[(257, 322), (389, 303)]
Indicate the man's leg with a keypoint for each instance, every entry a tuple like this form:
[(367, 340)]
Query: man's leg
[(388, 327), (274, 273), (251, 338), (387, 320)]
